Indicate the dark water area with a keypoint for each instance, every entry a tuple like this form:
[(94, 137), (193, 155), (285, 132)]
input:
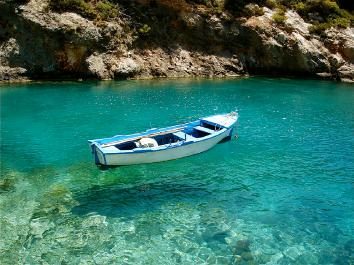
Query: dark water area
[(281, 193)]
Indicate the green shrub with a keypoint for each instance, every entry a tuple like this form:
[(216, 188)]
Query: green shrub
[(101, 10), (299, 7), (106, 10), (258, 11), (324, 8), (144, 30), (271, 3), (279, 16), (319, 29), (78, 6), (323, 14), (340, 22), (253, 10), (217, 10)]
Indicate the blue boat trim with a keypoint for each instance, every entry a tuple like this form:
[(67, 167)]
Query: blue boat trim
[(150, 150), (142, 134), (179, 136)]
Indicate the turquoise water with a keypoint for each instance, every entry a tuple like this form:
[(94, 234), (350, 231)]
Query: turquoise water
[(282, 193)]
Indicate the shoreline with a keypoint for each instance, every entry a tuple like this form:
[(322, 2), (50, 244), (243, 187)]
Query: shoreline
[(302, 77), (45, 45)]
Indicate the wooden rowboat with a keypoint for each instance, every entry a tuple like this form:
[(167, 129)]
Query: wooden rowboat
[(156, 145)]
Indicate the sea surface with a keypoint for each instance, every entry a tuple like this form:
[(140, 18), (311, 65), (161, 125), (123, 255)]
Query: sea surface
[(281, 193)]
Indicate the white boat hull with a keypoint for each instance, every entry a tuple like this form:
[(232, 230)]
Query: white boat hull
[(161, 155)]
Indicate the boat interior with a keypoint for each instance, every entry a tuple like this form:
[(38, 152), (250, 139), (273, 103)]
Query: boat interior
[(189, 133)]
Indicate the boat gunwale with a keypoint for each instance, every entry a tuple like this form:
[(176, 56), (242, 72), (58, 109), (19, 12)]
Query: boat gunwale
[(146, 150), (146, 133), (183, 143)]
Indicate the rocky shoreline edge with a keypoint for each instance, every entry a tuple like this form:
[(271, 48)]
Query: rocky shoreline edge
[(38, 44)]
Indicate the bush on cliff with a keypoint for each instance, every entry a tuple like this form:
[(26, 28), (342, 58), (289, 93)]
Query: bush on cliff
[(323, 14), (104, 10), (279, 16), (320, 28), (77, 6)]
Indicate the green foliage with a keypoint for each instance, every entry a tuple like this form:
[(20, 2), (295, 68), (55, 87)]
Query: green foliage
[(340, 22), (320, 28), (209, 3), (323, 7), (271, 3), (107, 10), (217, 10), (144, 30), (299, 7), (279, 16), (328, 10), (253, 10), (323, 14), (78, 6), (101, 10)]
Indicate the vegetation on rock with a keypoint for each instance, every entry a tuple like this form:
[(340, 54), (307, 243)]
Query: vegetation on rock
[(279, 16), (323, 14), (104, 10), (144, 38)]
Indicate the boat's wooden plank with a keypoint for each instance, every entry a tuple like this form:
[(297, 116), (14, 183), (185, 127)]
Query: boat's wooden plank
[(203, 129), (184, 136)]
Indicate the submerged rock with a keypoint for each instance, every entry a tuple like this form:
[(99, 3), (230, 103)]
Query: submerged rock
[(57, 200), (242, 253), (294, 252), (7, 184), (39, 226)]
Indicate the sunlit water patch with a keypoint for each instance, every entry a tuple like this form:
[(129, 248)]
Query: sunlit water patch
[(282, 193)]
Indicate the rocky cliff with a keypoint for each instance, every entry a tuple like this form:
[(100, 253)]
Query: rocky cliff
[(166, 39)]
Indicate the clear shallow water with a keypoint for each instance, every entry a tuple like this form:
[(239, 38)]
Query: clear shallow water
[(282, 193)]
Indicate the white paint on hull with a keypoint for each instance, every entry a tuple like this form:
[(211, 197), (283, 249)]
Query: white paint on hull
[(164, 154)]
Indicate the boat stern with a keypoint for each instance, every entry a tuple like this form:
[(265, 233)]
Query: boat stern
[(97, 153)]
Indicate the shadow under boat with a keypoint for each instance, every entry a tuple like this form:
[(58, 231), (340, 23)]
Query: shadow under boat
[(120, 201)]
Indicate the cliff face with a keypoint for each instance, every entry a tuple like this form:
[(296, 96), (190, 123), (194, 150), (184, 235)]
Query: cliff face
[(165, 40)]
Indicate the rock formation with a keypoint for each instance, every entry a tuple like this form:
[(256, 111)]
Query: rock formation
[(165, 41)]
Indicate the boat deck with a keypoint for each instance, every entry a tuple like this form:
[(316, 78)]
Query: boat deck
[(185, 136), (203, 129)]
